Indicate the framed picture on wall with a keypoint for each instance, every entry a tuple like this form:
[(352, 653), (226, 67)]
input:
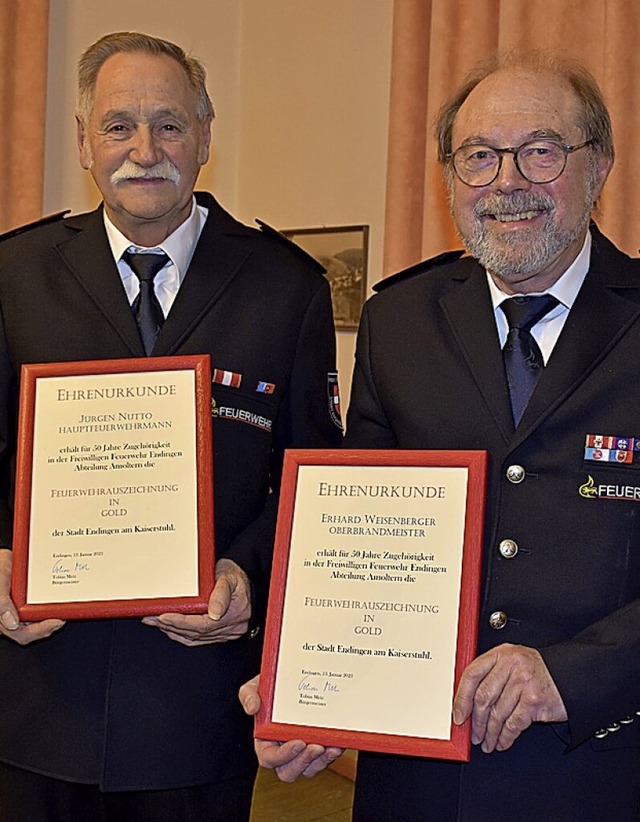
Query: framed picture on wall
[(343, 251)]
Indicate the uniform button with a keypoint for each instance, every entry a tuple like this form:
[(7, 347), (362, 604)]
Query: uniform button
[(628, 720), (498, 620), (508, 548), (253, 633), (601, 733), (613, 727), (515, 474)]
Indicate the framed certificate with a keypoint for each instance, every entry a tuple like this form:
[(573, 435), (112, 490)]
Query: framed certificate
[(373, 607), (114, 489)]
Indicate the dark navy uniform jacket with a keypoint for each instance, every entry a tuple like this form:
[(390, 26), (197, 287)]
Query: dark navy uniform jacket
[(429, 374), (115, 702)]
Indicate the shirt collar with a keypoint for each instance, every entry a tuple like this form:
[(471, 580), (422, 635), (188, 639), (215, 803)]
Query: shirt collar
[(566, 287), (179, 246)]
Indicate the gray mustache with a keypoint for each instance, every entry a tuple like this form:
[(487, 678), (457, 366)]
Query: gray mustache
[(516, 203), (165, 170)]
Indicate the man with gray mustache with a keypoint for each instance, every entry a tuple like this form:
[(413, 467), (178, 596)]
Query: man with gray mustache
[(136, 720), (528, 348)]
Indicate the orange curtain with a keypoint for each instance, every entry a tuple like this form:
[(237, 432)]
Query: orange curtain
[(23, 84), (436, 43)]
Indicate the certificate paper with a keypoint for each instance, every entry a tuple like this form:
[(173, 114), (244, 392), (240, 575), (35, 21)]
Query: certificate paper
[(114, 489), (374, 600)]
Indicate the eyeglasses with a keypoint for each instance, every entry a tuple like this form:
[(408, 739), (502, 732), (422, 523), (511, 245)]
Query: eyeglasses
[(539, 161)]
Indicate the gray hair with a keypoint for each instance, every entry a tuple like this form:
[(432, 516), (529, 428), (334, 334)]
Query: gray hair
[(95, 56), (595, 120)]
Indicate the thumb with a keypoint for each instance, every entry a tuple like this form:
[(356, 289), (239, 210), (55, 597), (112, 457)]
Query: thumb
[(9, 618), (220, 599), (8, 613)]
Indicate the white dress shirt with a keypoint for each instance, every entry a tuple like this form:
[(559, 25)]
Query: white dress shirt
[(179, 247), (565, 290)]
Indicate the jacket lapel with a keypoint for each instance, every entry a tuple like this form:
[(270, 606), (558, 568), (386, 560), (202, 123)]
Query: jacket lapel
[(470, 313), (605, 308), (220, 254), (88, 256)]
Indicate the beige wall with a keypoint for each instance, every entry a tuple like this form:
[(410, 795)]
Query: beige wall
[(301, 90)]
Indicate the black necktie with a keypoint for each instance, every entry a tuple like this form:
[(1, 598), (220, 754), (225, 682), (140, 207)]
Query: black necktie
[(146, 307), (523, 361)]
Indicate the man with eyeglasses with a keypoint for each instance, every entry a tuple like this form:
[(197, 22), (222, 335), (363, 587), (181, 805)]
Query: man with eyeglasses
[(527, 348)]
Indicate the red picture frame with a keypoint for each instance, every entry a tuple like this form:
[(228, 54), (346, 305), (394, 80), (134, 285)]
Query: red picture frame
[(457, 747), (31, 377)]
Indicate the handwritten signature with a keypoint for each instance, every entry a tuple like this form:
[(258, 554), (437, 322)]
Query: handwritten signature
[(309, 684), (60, 567)]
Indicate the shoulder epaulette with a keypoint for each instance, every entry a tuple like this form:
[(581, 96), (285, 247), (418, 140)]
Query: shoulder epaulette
[(291, 245), (419, 268), (50, 218)]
